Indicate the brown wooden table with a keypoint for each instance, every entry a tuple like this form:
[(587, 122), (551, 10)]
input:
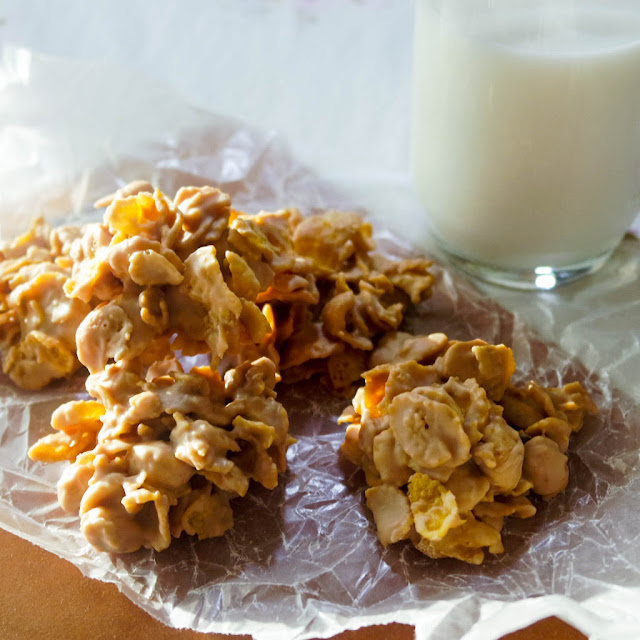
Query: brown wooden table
[(43, 597)]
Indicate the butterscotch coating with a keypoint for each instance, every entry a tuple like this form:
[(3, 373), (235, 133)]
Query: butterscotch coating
[(545, 466), (443, 443)]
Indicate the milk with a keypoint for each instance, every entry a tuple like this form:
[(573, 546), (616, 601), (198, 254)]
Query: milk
[(526, 127)]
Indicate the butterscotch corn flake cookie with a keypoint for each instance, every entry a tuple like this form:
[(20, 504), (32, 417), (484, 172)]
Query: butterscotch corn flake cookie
[(450, 448), (160, 450)]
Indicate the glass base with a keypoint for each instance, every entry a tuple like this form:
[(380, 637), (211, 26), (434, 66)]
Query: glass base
[(542, 278)]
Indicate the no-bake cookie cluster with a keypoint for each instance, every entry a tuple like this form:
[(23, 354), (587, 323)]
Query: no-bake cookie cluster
[(450, 448), (243, 299)]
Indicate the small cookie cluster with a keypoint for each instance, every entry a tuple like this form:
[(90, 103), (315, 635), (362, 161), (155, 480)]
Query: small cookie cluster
[(450, 448), (38, 321)]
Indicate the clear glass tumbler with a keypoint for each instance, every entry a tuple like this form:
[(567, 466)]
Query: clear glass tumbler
[(526, 133)]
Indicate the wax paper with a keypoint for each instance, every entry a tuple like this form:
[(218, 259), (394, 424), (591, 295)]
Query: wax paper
[(303, 560)]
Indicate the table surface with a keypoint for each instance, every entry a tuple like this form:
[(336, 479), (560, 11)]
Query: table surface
[(43, 597)]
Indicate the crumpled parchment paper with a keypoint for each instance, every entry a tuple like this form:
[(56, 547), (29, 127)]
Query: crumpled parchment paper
[(303, 560)]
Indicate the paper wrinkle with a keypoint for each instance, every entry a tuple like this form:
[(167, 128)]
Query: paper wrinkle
[(303, 560)]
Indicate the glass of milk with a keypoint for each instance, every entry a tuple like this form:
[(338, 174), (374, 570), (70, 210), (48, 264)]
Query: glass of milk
[(526, 133)]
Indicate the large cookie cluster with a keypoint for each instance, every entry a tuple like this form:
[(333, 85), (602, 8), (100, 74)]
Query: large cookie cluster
[(162, 447)]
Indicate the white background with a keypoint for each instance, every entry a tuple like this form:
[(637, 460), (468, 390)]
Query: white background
[(332, 76)]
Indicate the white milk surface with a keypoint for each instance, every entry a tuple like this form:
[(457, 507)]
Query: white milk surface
[(526, 127)]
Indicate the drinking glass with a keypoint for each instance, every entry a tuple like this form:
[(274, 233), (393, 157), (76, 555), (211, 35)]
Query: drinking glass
[(526, 133)]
